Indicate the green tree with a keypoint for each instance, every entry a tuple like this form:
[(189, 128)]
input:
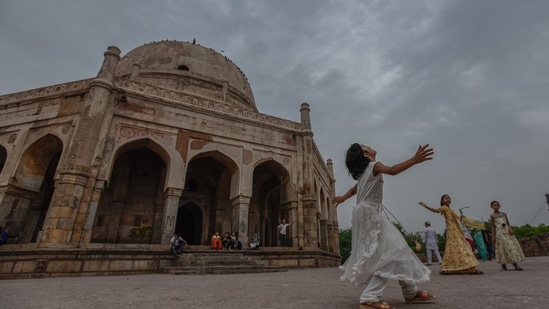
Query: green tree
[(527, 230), (345, 244), (523, 231), (411, 238)]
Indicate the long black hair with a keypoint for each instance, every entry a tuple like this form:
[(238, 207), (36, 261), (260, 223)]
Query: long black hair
[(355, 161), (442, 197)]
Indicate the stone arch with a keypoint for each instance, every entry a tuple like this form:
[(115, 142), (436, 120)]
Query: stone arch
[(3, 157), (131, 207), (209, 180), (190, 222), (33, 187), (270, 201), (35, 161), (140, 143)]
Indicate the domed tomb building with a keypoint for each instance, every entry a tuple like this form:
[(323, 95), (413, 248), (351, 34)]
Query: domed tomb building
[(166, 139)]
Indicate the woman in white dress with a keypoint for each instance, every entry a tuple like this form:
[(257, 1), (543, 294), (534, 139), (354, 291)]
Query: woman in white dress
[(379, 251)]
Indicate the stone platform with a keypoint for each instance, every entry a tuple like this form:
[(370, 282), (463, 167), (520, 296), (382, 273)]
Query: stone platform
[(222, 262), (23, 262)]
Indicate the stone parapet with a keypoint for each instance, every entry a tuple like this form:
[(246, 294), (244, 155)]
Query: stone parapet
[(19, 262), (197, 101), (537, 245), (44, 92)]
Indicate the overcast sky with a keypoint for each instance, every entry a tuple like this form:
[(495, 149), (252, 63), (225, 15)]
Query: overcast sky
[(469, 77)]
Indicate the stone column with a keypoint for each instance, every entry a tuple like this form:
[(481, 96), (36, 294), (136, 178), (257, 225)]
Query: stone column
[(310, 227), (305, 116), (294, 217), (90, 212), (309, 197), (241, 208), (333, 230), (324, 242), (331, 244), (171, 204), (76, 172), (114, 222)]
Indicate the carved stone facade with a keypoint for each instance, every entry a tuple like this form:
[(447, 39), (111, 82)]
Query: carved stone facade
[(165, 139)]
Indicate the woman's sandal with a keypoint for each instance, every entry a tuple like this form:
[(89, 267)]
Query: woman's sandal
[(517, 268), (421, 297), (503, 266), (476, 272), (379, 305)]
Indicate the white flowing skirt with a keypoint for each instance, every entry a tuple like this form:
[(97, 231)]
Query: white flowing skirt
[(379, 249)]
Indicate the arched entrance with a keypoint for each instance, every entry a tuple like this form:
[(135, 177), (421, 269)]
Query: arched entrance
[(189, 223), (34, 182), (130, 209), (3, 157), (207, 195), (270, 202)]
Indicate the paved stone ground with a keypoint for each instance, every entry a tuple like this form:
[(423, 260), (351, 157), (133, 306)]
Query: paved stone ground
[(303, 288)]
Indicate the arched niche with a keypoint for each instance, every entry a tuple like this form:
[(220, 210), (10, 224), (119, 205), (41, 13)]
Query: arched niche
[(33, 186), (270, 201), (131, 206), (209, 178)]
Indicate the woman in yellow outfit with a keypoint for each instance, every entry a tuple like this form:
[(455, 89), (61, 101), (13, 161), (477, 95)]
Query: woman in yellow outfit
[(458, 257)]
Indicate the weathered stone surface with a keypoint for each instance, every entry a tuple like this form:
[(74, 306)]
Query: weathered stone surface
[(64, 266), (165, 139), (96, 266)]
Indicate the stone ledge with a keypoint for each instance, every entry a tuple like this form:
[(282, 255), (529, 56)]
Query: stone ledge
[(17, 262)]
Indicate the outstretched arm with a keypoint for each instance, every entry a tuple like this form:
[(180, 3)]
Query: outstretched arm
[(340, 199), (426, 206), (423, 153)]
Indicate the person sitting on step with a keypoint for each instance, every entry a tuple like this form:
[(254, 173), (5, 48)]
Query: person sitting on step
[(178, 244), (216, 242), (235, 243), (227, 241), (254, 244)]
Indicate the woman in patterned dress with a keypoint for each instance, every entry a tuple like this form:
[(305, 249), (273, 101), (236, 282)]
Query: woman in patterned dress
[(458, 256), (508, 249)]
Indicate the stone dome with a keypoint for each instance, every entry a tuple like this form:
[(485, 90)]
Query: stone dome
[(189, 68)]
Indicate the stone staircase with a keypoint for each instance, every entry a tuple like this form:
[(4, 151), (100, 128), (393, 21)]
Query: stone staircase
[(218, 262)]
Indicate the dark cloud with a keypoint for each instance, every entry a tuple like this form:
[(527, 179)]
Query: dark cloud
[(467, 76)]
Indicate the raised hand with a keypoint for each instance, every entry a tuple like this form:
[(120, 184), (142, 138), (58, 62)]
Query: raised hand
[(423, 153), (338, 200)]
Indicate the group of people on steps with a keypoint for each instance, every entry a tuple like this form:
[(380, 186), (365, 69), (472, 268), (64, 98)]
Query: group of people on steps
[(228, 242)]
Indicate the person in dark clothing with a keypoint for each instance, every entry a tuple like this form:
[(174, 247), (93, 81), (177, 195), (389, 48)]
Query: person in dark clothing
[(489, 246), (3, 235), (178, 244), (227, 241)]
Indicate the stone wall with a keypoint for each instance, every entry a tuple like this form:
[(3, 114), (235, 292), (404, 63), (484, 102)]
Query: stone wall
[(17, 263), (537, 245), (130, 259)]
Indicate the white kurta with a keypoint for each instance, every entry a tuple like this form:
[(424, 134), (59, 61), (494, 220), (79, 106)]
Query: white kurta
[(378, 247)]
